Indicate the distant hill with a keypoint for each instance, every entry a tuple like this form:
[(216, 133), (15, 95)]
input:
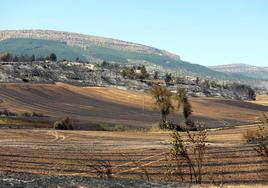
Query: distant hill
[(243, 70), (93, 48)]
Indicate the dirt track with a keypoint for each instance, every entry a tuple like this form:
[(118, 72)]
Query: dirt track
[(90, 106)]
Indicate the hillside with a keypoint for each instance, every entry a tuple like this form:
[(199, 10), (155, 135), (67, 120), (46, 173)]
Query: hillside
[(244, 70), (91, 106), (93, 48)]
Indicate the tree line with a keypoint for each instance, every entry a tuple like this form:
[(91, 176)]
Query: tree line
[(8, 57)]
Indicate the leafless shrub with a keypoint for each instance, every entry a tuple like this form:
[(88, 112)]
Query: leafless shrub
[(138, 165), (262, 137), (102, 169), (187, 151), (250, 135), (259, 137)]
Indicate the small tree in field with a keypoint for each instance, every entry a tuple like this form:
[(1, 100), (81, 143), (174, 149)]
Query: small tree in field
[(184, 105), (162, 98)]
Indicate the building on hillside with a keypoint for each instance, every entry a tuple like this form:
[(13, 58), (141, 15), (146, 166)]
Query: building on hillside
[(90, 66), (138, 71)]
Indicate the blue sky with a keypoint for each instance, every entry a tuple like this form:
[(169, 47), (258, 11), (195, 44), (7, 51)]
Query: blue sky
[(207, 32)]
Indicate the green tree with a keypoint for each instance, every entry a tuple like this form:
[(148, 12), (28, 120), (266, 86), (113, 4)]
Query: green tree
[(104, 64), (197, 81), (168, 78), (6, 57), (156, 75), (32, 58), (15, 59)]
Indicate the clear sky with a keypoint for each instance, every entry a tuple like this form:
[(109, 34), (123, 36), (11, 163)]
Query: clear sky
[(207, 32)]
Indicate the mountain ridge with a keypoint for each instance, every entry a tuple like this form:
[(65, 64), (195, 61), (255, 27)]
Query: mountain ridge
[(94, 48), (80, 40), (256, 72)]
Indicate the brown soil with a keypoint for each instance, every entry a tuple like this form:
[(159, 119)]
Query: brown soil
[(229, 159), (91, 106)]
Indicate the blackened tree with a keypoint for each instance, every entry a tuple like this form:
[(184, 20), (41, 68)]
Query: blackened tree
[(53, 57)]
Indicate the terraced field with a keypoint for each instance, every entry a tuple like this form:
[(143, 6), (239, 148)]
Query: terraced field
[(228, 159), (131, 154)]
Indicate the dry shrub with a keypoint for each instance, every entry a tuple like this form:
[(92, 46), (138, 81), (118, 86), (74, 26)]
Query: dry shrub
[(96, 167), (138, 165), (111, 127), (250, 135), (102, 168), (186, 156), (262, 138), (259, 137)]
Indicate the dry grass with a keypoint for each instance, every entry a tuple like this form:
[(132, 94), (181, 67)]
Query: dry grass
[(250, 135), (261, 100)]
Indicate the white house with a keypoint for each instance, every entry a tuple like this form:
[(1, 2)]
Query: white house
[(90, 66)]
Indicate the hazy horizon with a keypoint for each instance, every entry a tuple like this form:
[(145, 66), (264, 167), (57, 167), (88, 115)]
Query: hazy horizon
[(207, 33)]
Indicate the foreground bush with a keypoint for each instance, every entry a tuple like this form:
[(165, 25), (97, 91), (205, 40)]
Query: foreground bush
[(259, 137), (187, 150), (262, 138)]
